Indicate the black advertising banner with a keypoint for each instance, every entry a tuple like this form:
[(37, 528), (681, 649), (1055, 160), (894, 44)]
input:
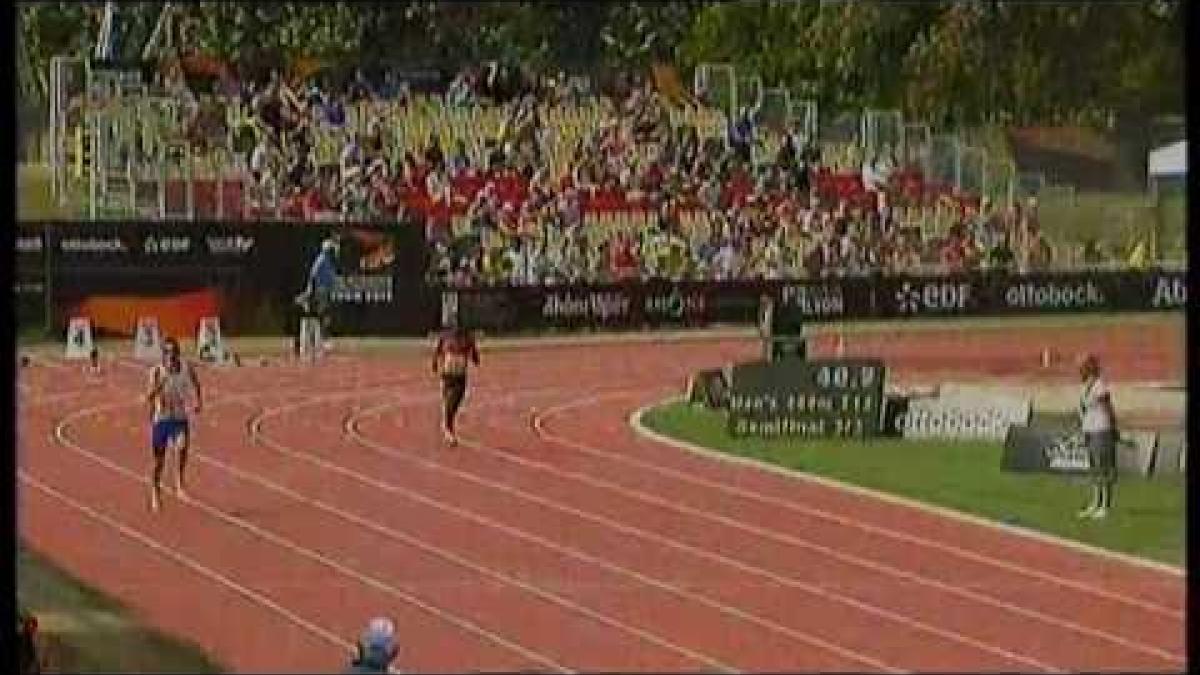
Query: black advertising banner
[(813, 399), (1040, 450), (248, 274), (651, 304), (1057, 293), (29, 279), (800, 303), (1064, 451)]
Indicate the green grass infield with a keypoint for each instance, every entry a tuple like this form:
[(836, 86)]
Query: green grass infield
[(1148, 520)]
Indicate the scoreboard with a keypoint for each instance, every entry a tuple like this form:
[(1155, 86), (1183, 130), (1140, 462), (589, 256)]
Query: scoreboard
[(829, 398)]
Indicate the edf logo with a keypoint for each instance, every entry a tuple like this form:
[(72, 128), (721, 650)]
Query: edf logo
[(933, 297)]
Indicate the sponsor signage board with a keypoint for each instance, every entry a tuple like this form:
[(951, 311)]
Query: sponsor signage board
[(1043, 450), (960, 420), (813, 399), (1064, 451), (964, 414), (257, 269)]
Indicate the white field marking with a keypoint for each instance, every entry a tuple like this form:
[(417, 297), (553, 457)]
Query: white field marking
[(463, 562), (186, 561), (282, 542), (885, 568), (639, 427), (544, 415), (352, 432)]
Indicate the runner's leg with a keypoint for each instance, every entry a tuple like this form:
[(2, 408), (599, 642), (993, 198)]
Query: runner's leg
[(183, 441)]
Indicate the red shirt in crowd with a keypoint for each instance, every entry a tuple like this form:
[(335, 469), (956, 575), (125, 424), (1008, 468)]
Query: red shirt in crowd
[(622, 260)]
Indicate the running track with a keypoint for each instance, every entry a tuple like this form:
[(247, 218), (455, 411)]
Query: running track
[(556, 538)]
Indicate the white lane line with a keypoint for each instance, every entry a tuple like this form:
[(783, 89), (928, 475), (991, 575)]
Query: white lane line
[(543, 416), (186, 561), (463, 562), (282, 542), (515, 458), (352, 432)]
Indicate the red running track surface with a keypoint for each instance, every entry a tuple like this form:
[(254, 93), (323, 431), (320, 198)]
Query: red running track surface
[(555, 538)]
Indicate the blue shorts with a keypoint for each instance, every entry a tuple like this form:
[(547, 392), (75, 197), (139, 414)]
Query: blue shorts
[(166, 430)]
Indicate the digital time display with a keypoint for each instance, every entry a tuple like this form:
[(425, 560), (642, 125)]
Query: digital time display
[(793, 397)]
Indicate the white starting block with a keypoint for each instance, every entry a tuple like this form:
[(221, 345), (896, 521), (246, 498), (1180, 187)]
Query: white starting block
[(312, 343), (147, 340), (210, 345), (79, 339)]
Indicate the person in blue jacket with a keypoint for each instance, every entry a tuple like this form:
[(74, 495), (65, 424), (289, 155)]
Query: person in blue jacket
[(317, 298)]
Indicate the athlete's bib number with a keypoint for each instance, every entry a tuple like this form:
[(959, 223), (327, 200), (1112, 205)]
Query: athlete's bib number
[(454, 364)]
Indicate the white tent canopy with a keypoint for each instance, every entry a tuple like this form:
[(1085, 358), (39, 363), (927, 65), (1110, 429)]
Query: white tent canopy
[(1169, 161)]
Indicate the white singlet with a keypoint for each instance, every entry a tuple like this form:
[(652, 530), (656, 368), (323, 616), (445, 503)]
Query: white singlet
[(1095, 417), (171, 402)]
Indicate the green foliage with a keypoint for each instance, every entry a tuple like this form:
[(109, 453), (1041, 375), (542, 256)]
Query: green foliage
[(961, 63)]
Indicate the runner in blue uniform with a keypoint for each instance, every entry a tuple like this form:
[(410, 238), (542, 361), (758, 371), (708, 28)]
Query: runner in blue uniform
[(170, 382)]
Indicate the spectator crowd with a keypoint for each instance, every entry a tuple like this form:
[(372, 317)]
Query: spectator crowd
[(638, 190)]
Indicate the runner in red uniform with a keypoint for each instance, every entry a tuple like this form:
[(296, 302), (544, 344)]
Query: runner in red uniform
[(455, 351)]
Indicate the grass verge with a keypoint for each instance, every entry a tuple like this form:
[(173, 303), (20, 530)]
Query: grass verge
[(84, 631), (1148, 521)]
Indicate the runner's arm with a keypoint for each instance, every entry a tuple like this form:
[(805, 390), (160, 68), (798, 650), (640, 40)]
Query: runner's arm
[(437, 354), (155, 385)]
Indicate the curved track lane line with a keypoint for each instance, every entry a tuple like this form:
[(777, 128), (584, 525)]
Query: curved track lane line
[(983, 598), (580, 555), (543, 416), (63, 439)]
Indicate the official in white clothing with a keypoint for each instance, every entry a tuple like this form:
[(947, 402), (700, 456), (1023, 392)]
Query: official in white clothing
[(1099, 425)]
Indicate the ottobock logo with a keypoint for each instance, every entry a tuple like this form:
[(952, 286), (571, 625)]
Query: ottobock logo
[(92, 245), (933, 297), (229, 245), (1169, 293), (1068, 454), (590, 306), (166, 245), (1049, 295), (29, 244), (814, 301), (959, 421), (675, 305)]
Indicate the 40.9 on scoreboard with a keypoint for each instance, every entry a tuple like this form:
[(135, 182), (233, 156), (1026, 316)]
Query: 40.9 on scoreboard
[(814, 399)]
